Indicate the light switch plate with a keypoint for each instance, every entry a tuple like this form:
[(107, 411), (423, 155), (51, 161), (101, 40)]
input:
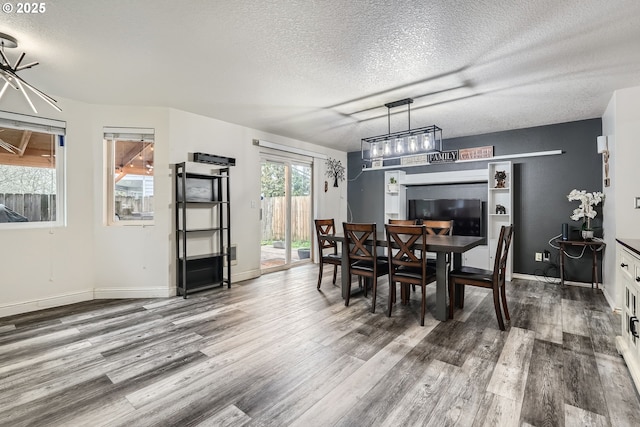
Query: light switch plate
[(637, 203)]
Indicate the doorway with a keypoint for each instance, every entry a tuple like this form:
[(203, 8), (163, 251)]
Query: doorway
[(286, 213)]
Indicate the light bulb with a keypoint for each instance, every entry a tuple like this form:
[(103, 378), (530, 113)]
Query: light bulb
[(413, 145), (399, 146), (427, 141), (374, 150)]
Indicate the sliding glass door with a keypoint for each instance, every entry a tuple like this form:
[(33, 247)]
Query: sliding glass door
[(285, 213)]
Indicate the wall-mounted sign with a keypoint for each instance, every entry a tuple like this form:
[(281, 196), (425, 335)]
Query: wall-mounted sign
[(418, 159), (443, 156), (485, 152)]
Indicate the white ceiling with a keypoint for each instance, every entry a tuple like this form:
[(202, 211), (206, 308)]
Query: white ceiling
[(321, 71)]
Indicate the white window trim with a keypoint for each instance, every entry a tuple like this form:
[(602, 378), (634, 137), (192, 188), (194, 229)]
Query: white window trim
[(54, 127), (109, 135)]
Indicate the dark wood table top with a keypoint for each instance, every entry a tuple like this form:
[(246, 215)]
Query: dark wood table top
[(581, 242), (458, 244)]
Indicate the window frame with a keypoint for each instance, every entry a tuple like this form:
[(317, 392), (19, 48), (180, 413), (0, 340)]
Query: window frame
[(110, 135), (58, 129)]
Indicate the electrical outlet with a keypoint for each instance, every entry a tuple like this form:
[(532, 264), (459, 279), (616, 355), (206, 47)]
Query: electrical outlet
[(546, 255), (538, 256)]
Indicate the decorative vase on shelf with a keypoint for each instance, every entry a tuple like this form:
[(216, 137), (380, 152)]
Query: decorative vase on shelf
[(587, 231), (587, 234)]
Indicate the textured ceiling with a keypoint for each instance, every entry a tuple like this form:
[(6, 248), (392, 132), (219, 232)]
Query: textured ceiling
[(321, 70)]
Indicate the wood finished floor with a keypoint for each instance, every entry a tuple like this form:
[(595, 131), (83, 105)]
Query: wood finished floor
[(274, 352)]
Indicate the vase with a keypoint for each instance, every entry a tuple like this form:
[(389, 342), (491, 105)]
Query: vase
[(587, 234)]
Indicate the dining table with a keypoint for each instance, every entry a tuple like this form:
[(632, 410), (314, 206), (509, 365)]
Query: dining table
[(440, 245)]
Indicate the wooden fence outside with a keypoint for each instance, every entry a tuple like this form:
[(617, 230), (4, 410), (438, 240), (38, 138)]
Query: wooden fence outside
[(274, 216), (128, 205), (36, 207)]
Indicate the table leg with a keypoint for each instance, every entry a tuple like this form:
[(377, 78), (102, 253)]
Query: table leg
[(344, 270), (594, 270), (457, 263), (561, 264), (441, 287)]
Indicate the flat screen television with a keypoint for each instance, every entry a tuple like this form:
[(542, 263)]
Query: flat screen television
[(466, 214)]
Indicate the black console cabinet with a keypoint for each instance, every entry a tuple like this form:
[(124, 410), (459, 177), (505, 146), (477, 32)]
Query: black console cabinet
[(203, 232)]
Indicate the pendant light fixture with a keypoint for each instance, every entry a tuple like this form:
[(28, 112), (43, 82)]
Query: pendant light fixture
[(410, 142), (8, 73)]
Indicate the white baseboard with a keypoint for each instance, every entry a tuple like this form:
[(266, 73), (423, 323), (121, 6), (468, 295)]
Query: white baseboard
[(245, 275), (570, 283), (103, 293), (540, 279), (117, 293), (610, 300), (41, 304)]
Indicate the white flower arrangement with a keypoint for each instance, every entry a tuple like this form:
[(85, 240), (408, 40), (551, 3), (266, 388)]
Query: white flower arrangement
[(585, 211)]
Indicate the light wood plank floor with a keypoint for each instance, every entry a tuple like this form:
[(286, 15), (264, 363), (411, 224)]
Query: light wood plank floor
[(274, 352)]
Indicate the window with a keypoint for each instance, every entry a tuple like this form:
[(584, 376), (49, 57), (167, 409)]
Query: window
[(129, 175), (31, 170)]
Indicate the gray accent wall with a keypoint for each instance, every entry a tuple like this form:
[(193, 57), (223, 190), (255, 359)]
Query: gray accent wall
[(540, 187)]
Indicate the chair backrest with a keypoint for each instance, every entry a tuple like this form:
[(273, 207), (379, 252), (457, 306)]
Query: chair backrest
[(435, 227), (356, 236), (403, 221), (406, 246), (502, 253), (325, 227)]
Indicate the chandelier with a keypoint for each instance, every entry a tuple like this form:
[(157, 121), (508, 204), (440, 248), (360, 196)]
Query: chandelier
[(11, 79), (398, 145)]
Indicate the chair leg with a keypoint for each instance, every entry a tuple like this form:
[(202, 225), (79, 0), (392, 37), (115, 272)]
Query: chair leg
[(496, 304), (423, 307), (373, 296), (335, 273), (346, 301), (504, 302), (392, 292), (320, 274), (452, 297)]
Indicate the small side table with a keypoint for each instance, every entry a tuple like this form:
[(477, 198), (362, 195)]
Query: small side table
[(594, 245)]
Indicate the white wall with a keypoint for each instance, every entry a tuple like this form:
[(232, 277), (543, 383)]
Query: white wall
[(621, 122), (609, 210), (194, 133), (45, 267), (131, 261)]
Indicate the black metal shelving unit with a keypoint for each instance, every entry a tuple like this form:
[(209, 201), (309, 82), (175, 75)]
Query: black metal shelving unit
[(198, 271)]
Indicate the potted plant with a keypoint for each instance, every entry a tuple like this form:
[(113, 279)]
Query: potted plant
[(393, 185), (585, 211)]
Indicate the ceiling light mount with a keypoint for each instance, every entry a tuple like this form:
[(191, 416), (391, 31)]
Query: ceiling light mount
[(401, 144), (7, 41), (9, 73)]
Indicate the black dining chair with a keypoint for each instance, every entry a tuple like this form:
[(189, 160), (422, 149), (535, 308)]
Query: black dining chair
[(326, 227), (406, 249), (363, 259), (494, 280)]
